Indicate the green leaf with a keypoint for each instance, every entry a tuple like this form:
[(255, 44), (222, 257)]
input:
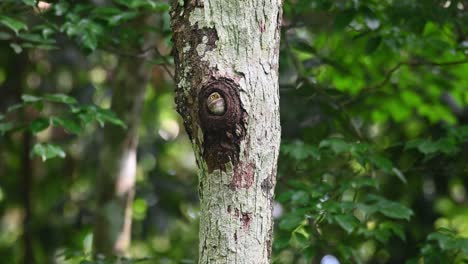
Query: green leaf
[(61, 98), (284, 196), (444, 239), (29, 2), (337, 145), (70, 29), (61, 8), (30, 98), (372, 23), (16, 48), (160, 60), (39, 125), (5, 127), (5, 36), (86, 117), (68, 124), (14, 107), (370, 18), (298, 150), (462, 245), (343, 19), (300, 238), (291, 221), (425, 146), (47, 32), (13, 24), (367, 209), (300, 198), (372, 44), (399, 174), (105, 12), (281, 242), (89, 40), (46, 47), (395, 210), (31, 37), (146, 4), (381, 163), (394, 227), (47, 151), (391, 209), (347, 221), (361, 182), (304, 47), (382, 235), (104, 115), (446, 145), (161, 7), (428, 147), (121, 17)]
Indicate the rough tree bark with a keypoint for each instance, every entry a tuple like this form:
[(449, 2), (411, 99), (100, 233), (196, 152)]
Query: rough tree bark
[(226, 57), (117, 172)]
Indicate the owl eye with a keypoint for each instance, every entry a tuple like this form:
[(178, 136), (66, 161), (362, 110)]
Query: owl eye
[(214, 96), (216, 104)]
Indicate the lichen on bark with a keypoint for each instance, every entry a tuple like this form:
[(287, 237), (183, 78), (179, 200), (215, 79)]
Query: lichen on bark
[(231, 47)]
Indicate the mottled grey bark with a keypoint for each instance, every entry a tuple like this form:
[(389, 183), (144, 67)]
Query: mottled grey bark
[(229, 49), (117, 172)]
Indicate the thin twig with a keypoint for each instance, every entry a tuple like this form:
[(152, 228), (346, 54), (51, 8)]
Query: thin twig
[(143, 55), (389, 74), (164, 65), (431, 63)]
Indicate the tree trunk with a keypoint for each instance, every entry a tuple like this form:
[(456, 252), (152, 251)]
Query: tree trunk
[(117, 172), (226, 56)]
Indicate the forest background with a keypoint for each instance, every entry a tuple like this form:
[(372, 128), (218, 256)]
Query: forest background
[(373, 165)]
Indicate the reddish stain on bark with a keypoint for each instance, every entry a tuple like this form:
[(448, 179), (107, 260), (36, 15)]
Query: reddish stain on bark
[(229, 209), (243, 176), (262, 26), (246, 219)]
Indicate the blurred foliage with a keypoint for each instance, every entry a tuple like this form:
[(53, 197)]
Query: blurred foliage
[(64, 120), (373, 164)]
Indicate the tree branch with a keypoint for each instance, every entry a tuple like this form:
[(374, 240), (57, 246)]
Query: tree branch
[(144, 55), (388, 75)]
